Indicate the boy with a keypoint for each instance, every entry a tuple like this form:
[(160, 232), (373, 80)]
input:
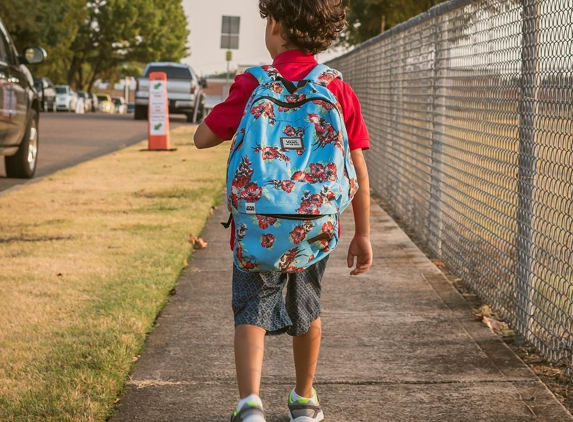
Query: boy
[(296, 30)]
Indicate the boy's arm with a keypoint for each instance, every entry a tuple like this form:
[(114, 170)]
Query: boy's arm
[(360, 247), (205, 137)]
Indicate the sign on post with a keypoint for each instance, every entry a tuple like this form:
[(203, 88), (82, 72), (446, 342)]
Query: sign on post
[(158, 118), (230, 32)]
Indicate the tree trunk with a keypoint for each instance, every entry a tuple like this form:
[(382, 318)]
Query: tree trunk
[(72, 71), (80, 73), (95, 72)]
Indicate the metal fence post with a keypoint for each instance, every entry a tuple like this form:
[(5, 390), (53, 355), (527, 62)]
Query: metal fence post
[(528, 109), (441, 64)]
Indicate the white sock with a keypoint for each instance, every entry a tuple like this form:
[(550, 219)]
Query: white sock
[(295, 396), (253, 398)]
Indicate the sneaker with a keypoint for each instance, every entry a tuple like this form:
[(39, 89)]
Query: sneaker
[(305, 410), (251, 411)]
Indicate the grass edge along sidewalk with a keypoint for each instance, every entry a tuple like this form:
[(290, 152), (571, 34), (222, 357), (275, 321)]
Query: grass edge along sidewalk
[(89, 256)]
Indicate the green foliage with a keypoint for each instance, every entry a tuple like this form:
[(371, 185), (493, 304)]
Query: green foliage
[(91, 39), (368, 18)]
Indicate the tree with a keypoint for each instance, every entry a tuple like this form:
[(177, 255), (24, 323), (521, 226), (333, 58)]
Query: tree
[(368, 18), (51, 24), (119, 34), (91, 39)]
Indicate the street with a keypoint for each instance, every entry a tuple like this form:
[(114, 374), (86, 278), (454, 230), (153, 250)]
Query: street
[(67, 139)]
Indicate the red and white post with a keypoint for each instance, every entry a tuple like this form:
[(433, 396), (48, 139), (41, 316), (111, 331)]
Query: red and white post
[(158, 114)]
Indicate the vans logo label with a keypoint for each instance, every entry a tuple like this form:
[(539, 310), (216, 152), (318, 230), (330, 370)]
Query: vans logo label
[(293, 142), (250, 209)]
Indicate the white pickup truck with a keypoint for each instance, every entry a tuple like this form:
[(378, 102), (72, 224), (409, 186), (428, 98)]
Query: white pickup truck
[(184, 91)]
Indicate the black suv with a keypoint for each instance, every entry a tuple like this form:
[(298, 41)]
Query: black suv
[(19, 108)]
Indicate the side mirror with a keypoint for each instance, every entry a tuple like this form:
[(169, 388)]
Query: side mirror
[(34, 55), (203, 82)]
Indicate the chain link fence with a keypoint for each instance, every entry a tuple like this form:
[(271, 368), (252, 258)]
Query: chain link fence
[(470, 111)]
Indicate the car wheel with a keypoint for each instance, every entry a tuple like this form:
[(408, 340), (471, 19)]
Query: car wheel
[(201, 112), (23, 163), (140, 113)]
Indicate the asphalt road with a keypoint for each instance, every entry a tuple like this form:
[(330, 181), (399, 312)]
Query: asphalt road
[(67, 139)]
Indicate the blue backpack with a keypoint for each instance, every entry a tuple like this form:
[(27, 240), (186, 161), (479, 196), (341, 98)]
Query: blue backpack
[(289, 173)]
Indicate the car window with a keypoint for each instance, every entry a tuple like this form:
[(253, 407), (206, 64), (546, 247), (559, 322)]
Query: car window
[(171, 72), (61, 90), (3, 48), (9, 54)]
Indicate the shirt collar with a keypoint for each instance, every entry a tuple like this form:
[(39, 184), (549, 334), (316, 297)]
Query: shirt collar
[(291, 56)]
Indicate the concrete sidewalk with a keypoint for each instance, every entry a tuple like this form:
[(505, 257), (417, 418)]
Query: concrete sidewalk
[(399, 344)]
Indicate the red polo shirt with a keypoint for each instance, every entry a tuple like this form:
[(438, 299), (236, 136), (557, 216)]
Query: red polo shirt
[(293, 65)]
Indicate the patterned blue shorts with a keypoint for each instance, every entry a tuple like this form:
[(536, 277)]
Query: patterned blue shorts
[(258, 299)]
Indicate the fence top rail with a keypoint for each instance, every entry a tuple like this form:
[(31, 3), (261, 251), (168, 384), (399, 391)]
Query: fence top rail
[(438, 10)]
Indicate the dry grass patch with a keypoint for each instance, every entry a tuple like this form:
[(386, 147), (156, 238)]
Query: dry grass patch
[(88, 258)]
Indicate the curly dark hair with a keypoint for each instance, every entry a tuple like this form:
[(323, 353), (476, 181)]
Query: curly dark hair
[(310, 25)]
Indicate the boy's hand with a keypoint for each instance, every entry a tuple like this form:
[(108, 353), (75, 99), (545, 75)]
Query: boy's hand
[(361, 249)]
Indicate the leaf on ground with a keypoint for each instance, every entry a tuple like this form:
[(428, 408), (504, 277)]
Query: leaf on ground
[(197, 242), (494, 324), (485, 310), (438, 263)]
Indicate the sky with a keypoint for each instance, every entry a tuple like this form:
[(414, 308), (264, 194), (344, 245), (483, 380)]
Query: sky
[(205, 16)]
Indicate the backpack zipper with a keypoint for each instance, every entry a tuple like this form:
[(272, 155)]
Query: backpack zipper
[(293, 105), (295, 216), (304, 217)]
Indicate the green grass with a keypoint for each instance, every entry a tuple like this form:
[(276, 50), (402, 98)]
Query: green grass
[(88, 259)]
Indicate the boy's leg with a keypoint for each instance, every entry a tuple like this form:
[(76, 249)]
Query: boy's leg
[(249, 351), (303, 305), (306, 349), (258, 309)]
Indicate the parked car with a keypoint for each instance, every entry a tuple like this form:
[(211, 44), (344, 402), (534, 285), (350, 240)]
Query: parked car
[(106, 105), (95, 102), (66, 98), (19, 108), (87, 100), (46, 93), (183, 90), (80, 109), (120, 105)]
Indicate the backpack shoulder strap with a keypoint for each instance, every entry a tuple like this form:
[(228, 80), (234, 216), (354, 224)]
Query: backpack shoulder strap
[(264, 74), (323, 75)]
